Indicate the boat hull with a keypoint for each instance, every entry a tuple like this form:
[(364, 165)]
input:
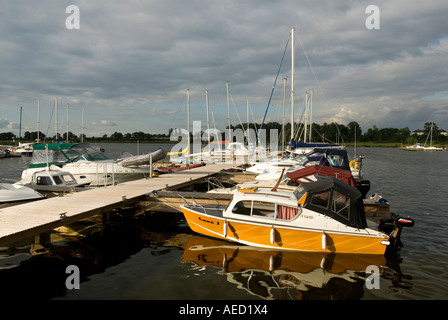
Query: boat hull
[(95, 173), (282, 237), (15, 193)]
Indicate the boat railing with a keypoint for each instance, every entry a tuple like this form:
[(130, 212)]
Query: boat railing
[(194, 204), (104, 174)]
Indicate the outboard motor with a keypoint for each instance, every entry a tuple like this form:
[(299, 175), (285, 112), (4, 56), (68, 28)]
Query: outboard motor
[(363, 186), (393, 227)]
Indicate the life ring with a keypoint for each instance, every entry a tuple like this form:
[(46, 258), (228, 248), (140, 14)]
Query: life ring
[(353, 164)]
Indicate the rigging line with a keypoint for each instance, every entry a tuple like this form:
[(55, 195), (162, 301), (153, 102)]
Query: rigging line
[(253, 119), (299, 123), (49, 122), (272, 92), (317, 81), (178, 108), (239, 118)]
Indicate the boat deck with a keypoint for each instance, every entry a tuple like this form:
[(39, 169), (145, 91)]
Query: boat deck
[(211, 210), (32, 218)]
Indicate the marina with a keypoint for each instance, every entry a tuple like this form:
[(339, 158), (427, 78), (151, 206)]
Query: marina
[(160, 244), (187, 152)]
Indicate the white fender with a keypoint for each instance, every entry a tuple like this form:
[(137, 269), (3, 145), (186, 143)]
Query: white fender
[(324, 241), (271, 263), (272, 235)]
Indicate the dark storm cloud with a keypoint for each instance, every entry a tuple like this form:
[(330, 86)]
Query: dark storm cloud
[(131, 62)]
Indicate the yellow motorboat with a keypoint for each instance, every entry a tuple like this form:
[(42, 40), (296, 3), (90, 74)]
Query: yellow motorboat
[(322, 216)]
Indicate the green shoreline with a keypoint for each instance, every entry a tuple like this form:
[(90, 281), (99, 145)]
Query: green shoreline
[(366, 144)]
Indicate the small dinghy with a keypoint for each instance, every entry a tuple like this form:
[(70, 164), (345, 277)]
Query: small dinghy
[(10, 193), (143, 159)]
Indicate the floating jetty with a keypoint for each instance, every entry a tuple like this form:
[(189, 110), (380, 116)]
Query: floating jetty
[(165, 193), (33, 218)]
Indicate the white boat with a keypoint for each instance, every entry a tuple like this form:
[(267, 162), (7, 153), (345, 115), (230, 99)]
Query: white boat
[(23, 149), (422, 146), (9, 151), (10, 193), (55, 181), (415, 147), (86, 163), (431, 147), (222, 151)]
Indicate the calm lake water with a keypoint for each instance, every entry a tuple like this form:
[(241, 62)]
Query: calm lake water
[(157, 257)]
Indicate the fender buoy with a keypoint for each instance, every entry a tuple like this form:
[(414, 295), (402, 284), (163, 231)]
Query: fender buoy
[(272, 235), (324, 241), (353, 164)]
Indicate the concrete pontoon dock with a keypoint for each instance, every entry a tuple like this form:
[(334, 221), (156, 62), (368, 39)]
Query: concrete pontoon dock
[(32, 218)]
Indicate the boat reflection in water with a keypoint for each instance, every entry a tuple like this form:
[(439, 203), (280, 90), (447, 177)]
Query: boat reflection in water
[(284, 275)]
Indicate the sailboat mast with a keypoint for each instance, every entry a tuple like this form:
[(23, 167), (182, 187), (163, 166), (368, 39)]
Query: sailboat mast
[(228, 106), (38, 121), (284, 117), (56, 118), (66, 127), (305, 135), (432, 127), (188, 118), (208, 117), (247, 120), (292, 83), (311, 115), (20, 125), (82, 124)]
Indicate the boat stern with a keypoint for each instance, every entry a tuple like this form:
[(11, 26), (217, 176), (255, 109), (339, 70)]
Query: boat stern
[(393, 227)]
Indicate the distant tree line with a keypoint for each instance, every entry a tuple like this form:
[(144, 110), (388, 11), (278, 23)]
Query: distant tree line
[(339, 133), (326, 132), (114, 137)]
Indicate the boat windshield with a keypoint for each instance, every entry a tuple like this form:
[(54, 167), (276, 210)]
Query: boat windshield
[(85, 152), (63, 153)]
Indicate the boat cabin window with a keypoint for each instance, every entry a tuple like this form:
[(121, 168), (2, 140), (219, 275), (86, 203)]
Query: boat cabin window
[(43, 181), (67, 178), (264, 209), (287, 213), (320, 199), (336, 160), (243, 207), (57, 179), (340, 204)]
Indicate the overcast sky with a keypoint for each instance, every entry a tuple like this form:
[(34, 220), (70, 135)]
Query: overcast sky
[(131, 62)]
